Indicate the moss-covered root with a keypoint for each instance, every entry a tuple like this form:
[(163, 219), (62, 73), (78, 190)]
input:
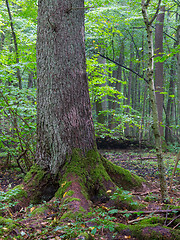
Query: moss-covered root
[(90, 176), (122, 177), (149, 232), (38, 185)]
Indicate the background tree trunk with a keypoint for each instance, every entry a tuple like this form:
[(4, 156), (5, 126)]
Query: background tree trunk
[(178, 79), (159, 66), (15, 46)]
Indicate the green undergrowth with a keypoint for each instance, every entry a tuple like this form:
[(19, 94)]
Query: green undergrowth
[(6, 225), (10, 198), (61, 221), (123, 199), (54, 218)]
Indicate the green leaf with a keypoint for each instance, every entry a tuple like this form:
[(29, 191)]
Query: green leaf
[(93, 231)]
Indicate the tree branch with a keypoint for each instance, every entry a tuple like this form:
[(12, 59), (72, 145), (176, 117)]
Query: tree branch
[(156, 13), (129, 69)]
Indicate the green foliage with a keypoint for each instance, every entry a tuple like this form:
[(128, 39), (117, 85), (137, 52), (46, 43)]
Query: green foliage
[(9, 199), (113, 29), (123, 197), (102, 86), (18, 126), (80, 223)]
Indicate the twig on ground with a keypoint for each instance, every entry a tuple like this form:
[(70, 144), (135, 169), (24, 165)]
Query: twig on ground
[(146, 193), (172, 220), (176, 225), (166, 217), (152, 211)]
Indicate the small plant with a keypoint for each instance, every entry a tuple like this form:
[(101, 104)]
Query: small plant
[(123, 197), (151, 198)]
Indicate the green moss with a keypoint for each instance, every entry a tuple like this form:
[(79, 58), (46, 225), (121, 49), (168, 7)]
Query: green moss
[(159, 220), (71, 199), (93, 171), (85, 236), (120, 227), (73, 215), (152, 220), (122, 177), (144, 230), (89, 170), (8, 223), (39, 211), (37, 172), (137, 231), (62, 189), (68, 215)]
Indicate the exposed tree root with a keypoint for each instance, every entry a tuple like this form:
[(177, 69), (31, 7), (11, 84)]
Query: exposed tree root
[(86, 178)]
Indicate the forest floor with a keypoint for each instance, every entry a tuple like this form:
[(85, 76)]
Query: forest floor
[(47, 221)]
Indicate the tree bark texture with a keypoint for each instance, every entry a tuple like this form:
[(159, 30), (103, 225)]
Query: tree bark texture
[(64, 119), (159, 66), (150, 71)]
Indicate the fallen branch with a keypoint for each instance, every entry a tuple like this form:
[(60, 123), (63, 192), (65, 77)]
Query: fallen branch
[(172, 220), (146, 158), (149, 212), (136, 220), (146, 193), (176, 225)]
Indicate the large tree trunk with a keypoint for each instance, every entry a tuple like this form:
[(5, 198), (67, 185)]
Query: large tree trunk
[(67, 158), (64, 118)]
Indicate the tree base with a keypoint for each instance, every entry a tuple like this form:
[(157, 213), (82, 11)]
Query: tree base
[(86, 178)]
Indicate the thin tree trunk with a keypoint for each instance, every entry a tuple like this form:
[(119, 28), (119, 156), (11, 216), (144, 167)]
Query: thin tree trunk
[(129, 95), (150, 71), (178, 78), (159, 66), (15, 45), (169, 108), (2, 38)]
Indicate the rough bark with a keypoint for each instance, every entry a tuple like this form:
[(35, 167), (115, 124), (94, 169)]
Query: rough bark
[(64, 114), (150, 71)]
